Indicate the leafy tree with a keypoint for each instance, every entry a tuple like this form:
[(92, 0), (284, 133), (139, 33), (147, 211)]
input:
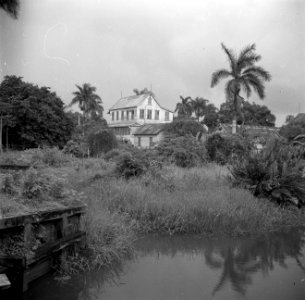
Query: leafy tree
[(253, 114), (101, 141), (289, 118), (145, 91), (35, 115), (184, 108), (244, 75), (183, 127), (295, 127), (11, 7), (199, 106), (89, 102), (211, 117)]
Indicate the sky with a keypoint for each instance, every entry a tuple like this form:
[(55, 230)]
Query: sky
[(169, 46)]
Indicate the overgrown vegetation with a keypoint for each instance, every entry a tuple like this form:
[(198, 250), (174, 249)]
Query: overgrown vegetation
[(223, 149), (276, 173), (133, 192)]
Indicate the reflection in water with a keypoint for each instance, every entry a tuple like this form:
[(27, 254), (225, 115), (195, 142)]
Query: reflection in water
[(236, 261), (237, 258)]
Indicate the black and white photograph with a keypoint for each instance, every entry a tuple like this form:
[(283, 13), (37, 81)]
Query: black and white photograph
[(152, 149)]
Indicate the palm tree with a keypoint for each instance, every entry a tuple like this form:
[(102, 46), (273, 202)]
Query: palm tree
[(184, 108), (243, 74), (11, 7), (199, 106), (89, 102)]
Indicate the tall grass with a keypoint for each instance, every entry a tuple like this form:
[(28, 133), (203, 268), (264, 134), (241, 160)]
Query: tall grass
[(198, 200)]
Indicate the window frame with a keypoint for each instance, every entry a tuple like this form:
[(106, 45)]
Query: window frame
[(142, 114), (149, 114)]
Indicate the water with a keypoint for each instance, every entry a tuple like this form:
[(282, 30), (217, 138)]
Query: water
[(189, 267)]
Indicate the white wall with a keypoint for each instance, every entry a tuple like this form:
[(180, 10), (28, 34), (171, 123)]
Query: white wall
[(146, 106), (145, 140), (153, 107)]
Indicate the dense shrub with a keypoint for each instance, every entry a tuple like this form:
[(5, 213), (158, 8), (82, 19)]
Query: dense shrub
[(276, 173), (223, 149), (8, 185), (36, 185), (184, 151), (129, 165), (49, 156), (113, 154), (183, 127), (294, 128), (101, 141), (74, 148)]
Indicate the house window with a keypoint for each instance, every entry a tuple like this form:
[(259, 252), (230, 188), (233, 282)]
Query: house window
[(117, 115), (149, 114), (141, 113), (157, 113), (166, 116), (151, 143), (139, 141), (127, 115), (112, 116), (149, 101), (122, 115), (132, 115)]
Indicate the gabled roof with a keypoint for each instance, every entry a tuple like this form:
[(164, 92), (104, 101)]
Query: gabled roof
[(127, 124), (150, 129), (131, 101), (263, 132)]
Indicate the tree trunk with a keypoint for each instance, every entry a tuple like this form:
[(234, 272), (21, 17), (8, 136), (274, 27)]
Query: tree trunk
[(234, 124), (234, 121), (1, 134), (6, 138)]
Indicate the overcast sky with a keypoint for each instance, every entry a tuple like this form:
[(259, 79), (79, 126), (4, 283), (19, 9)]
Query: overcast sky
[(171, 45)]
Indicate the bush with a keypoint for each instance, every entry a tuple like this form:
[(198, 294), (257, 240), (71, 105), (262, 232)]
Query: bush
[(276, 173), (74, 148), (113, 154), (36, 185), (101, 141), (182, 151), (8, 185), (222, 149), (294, 128), (183, 127), (129, 165), (49, 156)]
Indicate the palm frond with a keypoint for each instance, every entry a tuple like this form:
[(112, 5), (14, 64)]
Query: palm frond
[(231, 57), (245, 86), (246, 51), (247, 61), (256, 83), (258, 71), (218, 75)]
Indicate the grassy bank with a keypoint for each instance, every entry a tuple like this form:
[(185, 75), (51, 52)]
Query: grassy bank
[(170, 200), (197, 200)]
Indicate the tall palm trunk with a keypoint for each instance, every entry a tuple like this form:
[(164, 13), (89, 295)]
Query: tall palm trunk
[(1, 128), (234, 121)]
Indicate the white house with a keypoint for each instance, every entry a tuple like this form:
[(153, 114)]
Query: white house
[(129, 114)]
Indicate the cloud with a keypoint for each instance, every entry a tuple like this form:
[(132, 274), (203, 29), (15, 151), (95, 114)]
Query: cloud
[(173, 45)]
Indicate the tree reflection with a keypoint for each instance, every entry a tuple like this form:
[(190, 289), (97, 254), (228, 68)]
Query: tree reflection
[(238, 259)]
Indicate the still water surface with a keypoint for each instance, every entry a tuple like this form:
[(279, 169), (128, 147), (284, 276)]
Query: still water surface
[(190, 267)]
